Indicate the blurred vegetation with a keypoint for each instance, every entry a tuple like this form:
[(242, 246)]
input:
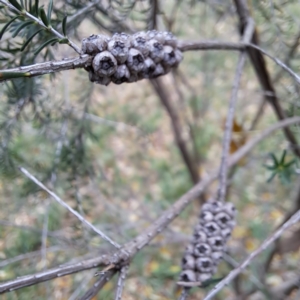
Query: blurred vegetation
[(110, 153)]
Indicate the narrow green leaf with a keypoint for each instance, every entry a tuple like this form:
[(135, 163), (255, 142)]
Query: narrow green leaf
[(16, 4), (287, 165), (7, 25), (30, 38), (10, 75), (37, 7), (283, 157), (2, 6), (64, 25), (43, 17), (20, 27), (22, 3), (271, 177), (274, 159), (50, 7), (39, 49), (270, 167)]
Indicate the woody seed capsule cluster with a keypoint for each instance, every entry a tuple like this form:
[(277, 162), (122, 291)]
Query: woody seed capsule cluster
[(203, 254), (129, 58)]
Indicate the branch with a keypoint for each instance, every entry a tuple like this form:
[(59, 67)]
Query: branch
[(121, 282), (46, 67), (130, 249), (38, 21), (70, 209), (100, 283)]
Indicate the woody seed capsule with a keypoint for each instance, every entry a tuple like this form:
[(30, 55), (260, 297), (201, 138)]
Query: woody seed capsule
[(104, 64)]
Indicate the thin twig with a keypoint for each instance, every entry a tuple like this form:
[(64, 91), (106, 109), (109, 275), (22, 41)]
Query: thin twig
[(70, 209), (230, 115), (293, 220), (133, 247), (121, 282), (98, 285), (184, 293), (39, 21)]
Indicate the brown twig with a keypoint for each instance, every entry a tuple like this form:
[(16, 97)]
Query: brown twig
[(176, 126), (262, 73), (98, 285)]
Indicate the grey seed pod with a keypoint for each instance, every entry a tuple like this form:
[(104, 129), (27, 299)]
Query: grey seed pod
[(159, 70), (205, 216), (199, 236), (211, 229), (216, 243), (123, 36), (121, 75), (179, 57), (119, 49), (216, 257), (189, 250), (230, 209), (104, 64), (222, 219), (188, 262), (133, 77), (212, 206), (156, 50), (104, 80), (204, 264), (135, 61), (169, 58), (149, 68), (97, 79), (202, 249), (231, 224), (157, 35), (188, 275), (94, 44), (202, 277), (170, 39), (140, 43), (226, 233)]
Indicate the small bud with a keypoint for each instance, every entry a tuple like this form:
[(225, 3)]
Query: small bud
[(211, 229), (188, 262), (204, 264), (104, 64), (216, 243), (202, 250), (188, 275), (179, 57), (135, 60), (94, 44), (121, 75), (119, 49), (156, 50), (133, 77)]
